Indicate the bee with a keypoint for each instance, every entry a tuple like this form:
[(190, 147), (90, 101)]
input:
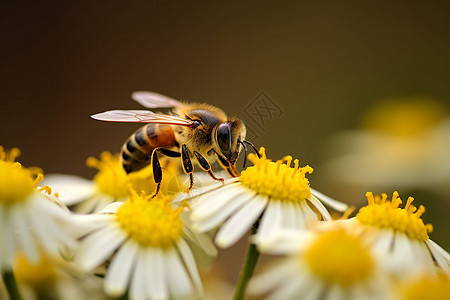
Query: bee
[(195, 130)]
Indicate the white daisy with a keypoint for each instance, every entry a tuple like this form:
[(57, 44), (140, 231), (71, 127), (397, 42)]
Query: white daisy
[(110, 184), (400, 140), (55, 278), (147, 242), (399, 238), (30, 217), (276, 193), (332, 264)]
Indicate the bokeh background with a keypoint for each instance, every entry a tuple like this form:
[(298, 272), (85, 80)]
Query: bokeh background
[(325, 64)]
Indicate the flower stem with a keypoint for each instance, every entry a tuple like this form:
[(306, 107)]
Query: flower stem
[(247, 270), (11, 285)]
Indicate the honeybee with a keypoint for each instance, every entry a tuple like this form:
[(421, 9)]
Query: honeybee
[(192, 129)]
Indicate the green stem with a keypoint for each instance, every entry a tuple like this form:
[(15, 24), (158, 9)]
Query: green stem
[(247, 270), (11, 285)]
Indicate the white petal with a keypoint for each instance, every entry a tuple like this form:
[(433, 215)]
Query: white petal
[(111, 208), (99, 245), (271, 220), (310, 217), (157, 286), (215, 202), (137, 288), (317, 204), (289, 215), (203, 241), (71, 189), (240, 222), (440, 255), (271, 278), (191, 266), (38, 222), (178, 279), (195, 193), (25, 236), (119, 271), (334, 204), (215, 220), (8, 243)]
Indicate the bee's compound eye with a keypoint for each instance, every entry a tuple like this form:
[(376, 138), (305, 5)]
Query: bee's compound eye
[(223, 136)]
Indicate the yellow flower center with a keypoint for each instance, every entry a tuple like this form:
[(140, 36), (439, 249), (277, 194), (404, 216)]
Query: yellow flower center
[(150, 222), (428, 288), (38, 274), (277, 180), (337, 257), (404, 117), (16, 182), (387, 214), (112, 179)]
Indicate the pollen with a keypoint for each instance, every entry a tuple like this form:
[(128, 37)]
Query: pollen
[(339, 258), (150, 222), (277, 180), (16, 182), (387, 214), (112, 179)]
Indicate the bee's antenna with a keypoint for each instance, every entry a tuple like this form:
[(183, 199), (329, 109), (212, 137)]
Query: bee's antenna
[(254, 148), (245, 149)]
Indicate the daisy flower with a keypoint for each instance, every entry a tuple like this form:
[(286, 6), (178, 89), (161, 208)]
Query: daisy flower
[(110, 184), (146, 242), (31, 218), (414, 134), (398, 237), (320, 264), (275, 190), (54, 278)]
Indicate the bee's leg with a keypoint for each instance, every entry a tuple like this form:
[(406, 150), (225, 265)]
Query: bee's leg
[(204, 164), (187, 166), (157, 171), (226, 165)]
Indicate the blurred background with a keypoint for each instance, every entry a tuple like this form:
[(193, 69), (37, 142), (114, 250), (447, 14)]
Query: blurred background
[(299, 74)]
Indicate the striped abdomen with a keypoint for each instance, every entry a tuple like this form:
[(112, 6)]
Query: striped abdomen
[(137, 150)]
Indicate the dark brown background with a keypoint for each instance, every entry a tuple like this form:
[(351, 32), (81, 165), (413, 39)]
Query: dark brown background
[(323, 64)]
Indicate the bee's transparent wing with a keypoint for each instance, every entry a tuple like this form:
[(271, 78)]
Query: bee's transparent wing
[(140, 116), (154, 100)]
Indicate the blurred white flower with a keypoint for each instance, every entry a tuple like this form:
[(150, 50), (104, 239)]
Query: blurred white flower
[(330, 264), (31, 218), (402, 141), (110, 184)]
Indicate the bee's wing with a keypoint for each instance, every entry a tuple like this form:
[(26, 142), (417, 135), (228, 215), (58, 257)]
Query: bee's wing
[(154, 100), (140, 116)]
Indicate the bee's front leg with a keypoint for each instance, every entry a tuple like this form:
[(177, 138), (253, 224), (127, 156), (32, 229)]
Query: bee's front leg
[(204, 164), (188, 168)]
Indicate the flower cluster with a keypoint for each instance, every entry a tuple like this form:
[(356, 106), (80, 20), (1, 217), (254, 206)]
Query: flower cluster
[(114, 236)]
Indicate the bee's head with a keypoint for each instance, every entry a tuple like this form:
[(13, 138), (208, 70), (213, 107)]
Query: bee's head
[(228, 136)]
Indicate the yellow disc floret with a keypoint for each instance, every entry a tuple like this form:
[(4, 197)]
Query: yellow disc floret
[(112, 179), (150, 222), (277, 180), (16, 182), (387, 214), (339, 258)]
